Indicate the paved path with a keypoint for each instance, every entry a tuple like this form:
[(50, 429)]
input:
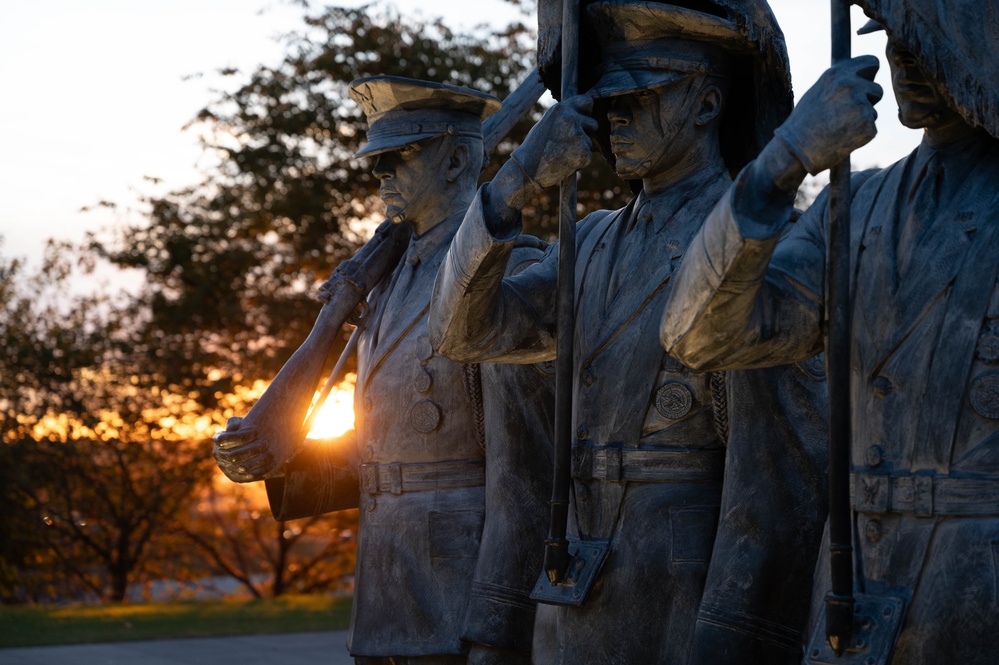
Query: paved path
[(289, 649)]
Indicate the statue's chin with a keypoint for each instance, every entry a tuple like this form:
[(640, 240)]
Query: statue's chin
[(919, 117), (630, 171), (394, 213)]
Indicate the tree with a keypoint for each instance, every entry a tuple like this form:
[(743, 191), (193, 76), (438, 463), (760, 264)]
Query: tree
[(232, 263), (106, 453), (235, 535), (107, 403)]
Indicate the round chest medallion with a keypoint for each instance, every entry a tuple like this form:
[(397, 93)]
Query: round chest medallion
[(985, 395), (673, 400), (425, 416)]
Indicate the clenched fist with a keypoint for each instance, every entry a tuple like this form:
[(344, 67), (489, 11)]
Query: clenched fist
[(836, 116)]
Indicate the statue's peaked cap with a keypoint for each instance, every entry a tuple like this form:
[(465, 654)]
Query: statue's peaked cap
[(955, 41), (401, 111), (640, 21), (644, 45), (746, 31)]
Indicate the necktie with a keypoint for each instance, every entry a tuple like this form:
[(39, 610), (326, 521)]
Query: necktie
[(636, 233), (402, 283), (922, 204)]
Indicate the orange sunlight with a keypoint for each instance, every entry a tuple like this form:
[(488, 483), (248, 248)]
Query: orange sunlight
[(337, 413)]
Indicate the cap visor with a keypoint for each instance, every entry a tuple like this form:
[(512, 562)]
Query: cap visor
[(623, 81), (378, 146)]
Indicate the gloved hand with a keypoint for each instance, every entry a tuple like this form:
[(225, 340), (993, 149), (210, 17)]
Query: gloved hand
[(241, 456), (836, 116), (560, 144)]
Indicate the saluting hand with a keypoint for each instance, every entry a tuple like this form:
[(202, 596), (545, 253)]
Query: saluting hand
[(560, 144), (836, 116)]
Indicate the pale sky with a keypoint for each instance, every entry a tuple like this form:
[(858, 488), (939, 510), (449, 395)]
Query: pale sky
[(95, 94)]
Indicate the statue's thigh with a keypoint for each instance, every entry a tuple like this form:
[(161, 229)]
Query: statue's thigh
[(954, 616)]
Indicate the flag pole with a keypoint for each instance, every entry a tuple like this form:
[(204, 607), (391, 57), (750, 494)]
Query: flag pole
[(840, 600), (556, 546)]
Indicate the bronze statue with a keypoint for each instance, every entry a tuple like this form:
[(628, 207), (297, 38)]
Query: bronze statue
[(649, 449), (924, 466), (450, 462)]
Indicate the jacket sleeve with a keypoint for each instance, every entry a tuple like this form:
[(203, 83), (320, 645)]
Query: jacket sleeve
[(745, 299), (321, 478), (519, 403), (478, 315)]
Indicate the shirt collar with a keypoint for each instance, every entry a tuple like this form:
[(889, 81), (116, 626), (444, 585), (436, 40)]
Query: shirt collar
[(422, 248)]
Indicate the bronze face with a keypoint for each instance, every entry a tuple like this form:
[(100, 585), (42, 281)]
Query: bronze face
[(411, 182), (646, 129), (920, 103)]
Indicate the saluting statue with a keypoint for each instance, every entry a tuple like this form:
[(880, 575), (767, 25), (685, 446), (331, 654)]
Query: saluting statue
[(688, 95), (924, 467), (450, 464)]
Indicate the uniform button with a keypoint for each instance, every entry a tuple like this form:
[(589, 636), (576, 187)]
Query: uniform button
[(875, 455), (873, 531), (588, 378), (372, 505), (582, 432), (882, 386), (582, 492), (369, 453), (424, 380)]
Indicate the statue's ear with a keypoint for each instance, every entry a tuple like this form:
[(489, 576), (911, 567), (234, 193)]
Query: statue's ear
[(711, 104), (458, 163)]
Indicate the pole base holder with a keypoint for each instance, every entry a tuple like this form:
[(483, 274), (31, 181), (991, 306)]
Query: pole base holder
[(586, 558), (877, 621)]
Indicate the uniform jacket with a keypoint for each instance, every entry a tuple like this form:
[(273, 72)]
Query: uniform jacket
[(629, 398), (925, 457), (428, 573)]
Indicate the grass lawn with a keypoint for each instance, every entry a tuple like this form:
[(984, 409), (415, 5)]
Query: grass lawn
[(38, 626)]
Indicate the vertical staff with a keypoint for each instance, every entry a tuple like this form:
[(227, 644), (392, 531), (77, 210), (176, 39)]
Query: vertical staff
[(556, 546), (839, 601)]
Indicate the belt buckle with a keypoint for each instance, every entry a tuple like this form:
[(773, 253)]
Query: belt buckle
[(873, 493), (606, 464), (369, 478)]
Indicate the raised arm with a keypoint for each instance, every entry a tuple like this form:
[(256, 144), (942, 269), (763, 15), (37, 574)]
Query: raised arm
[(476, 314), (745, 297)]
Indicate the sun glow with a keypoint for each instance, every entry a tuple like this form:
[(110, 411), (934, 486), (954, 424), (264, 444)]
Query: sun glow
[(336, 416)]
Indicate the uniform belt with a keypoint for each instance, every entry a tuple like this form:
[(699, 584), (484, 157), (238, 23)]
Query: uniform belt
[(647, 464), (397, 477), (924, 496)]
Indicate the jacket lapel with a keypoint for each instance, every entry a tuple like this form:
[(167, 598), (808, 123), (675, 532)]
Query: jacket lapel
[(875, 283), (647, 283), (401, 306), (892, 304), (596, 257)]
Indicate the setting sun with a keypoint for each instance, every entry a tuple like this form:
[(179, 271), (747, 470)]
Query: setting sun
[(336, 415)]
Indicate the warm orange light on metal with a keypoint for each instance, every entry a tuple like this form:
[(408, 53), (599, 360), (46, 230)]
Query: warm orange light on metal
[(336, 416)]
